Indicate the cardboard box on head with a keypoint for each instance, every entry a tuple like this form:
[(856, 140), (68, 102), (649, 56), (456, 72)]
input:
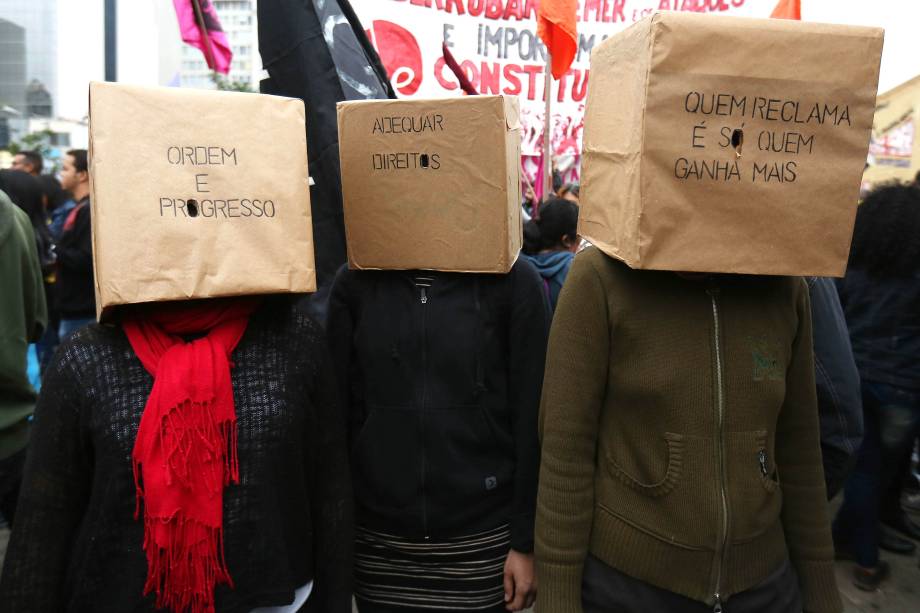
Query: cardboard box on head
[(725, 144), (197, 194), (432, 184)]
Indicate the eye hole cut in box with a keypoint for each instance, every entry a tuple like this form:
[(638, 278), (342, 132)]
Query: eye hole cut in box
[(738, 141)]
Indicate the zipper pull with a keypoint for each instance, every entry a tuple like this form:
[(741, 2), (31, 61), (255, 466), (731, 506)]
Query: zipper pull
[(424, 295), (762, 458), (717, 607)]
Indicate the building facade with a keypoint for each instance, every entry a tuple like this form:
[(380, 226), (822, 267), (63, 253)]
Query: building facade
[(39, 22), (238, 20)]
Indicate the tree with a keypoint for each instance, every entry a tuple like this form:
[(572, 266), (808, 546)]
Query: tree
[(39, 142), (34, 141), (225, 84)]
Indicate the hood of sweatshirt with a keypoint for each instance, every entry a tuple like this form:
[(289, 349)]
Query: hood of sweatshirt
[(551, 264)]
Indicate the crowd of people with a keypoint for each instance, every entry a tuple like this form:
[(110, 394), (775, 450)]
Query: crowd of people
[(574, 433), (38, 312)]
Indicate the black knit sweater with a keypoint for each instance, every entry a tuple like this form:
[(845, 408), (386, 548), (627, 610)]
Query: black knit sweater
[(76, 546)]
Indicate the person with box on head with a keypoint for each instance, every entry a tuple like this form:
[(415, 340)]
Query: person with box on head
[(189, 453), (681, 465), (439, 338), (881, 300)]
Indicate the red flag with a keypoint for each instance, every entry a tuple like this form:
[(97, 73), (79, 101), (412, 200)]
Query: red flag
[(200, 28), (788, 9), (556, 28)]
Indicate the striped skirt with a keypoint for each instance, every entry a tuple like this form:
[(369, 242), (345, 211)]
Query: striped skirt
[(457, 574)]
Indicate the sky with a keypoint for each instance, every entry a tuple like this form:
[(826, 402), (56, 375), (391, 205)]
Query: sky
[(899, 18), (145, 26)]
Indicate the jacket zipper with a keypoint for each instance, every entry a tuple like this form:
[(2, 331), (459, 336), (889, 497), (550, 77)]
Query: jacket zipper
[(720, 447), (423, 297)]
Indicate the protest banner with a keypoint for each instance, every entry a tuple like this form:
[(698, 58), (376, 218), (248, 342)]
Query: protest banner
[(496, 44)]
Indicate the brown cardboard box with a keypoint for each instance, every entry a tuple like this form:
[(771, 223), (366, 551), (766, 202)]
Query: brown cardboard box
[(197, 194), (663, 185), (432, 184)]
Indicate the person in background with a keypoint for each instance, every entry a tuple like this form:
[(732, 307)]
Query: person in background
[(76, 299), (58, 205), (681, 465), (880, 295), (528, 202), (570, 191), (29, 162), (551, 242), (895, 522), (837, 380), (442, 375), (557, 183), (909, 495), (55, 197), (22, 318), (25, 191)]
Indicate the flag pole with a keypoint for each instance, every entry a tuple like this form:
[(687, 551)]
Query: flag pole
[(547, 135), (203, 28)]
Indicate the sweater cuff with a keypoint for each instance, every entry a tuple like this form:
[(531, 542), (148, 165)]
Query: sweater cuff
[(819, 587), (522, 533), (559, 587)]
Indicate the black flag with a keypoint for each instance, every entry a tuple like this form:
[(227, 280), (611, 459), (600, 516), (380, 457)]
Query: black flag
[(316, 50)]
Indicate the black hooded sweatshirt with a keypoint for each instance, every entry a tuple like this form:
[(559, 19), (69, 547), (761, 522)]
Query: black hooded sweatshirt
[(442, 373)]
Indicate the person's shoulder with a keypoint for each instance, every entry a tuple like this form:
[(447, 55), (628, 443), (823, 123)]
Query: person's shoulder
[(86, 348), (794, 287), (20, 216), (283, 314), (22, 224), (524, 265), (789, 295), (593, 261), (352, 280)]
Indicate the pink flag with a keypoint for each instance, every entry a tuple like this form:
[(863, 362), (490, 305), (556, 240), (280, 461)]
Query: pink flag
[(202, 29)]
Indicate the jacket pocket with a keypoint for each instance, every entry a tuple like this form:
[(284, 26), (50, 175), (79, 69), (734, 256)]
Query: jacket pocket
[(385, 457), (470, 457), (753, 484), (665, 487), (653, 487)]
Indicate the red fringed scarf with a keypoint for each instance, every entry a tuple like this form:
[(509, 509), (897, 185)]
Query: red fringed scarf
[(185, 451)]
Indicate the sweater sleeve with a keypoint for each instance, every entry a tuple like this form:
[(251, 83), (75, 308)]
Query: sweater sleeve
[(340, 332), (33, 294), (53, 498), (839, 400), (798, 459), (527, 334), (330, 496), (574, 388)]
